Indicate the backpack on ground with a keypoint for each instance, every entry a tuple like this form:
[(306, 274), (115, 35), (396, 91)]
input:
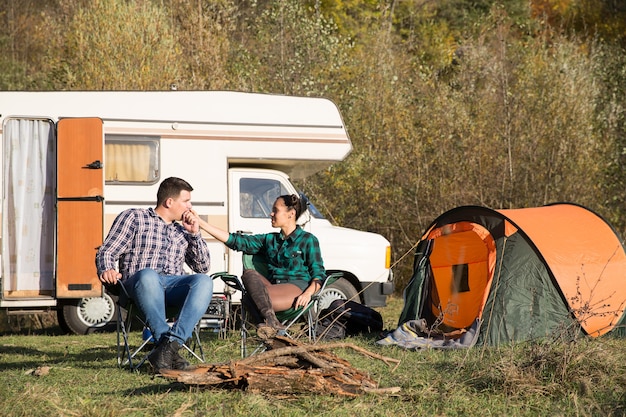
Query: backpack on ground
[(347, 318)]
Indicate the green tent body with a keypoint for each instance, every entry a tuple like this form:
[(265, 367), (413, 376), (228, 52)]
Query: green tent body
[(484, 276)]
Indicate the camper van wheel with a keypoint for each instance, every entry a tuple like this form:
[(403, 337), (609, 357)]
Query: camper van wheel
[(340, 289), (86, 315)]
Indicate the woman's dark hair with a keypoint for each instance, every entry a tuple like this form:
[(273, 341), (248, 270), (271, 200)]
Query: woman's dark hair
[(292, 201)]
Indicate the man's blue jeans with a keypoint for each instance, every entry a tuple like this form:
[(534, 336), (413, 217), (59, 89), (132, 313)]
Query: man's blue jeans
[(153, 293)]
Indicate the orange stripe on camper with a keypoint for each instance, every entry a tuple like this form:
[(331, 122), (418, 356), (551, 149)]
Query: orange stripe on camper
[(462, 261), (586, 259)]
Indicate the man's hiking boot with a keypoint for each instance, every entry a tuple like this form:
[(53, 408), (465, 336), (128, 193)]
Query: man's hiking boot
[(165, 355), (179, 363)]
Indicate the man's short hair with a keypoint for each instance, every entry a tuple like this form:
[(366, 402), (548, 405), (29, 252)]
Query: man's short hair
[(171, 188)]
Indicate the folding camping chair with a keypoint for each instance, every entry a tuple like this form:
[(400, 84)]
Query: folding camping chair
[(131, 356), (287, 317)]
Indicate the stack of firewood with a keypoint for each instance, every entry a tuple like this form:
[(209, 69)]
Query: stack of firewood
[(288, 367)]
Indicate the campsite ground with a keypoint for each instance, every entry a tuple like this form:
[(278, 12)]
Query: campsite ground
[(44, 373)]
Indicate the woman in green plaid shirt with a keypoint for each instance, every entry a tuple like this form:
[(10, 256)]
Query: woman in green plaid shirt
[(295, 269)]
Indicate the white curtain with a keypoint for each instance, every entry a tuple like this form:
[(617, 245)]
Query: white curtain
[(128, 162), (28, 206)]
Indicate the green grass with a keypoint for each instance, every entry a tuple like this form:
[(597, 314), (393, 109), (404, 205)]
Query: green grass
[(585, 378)]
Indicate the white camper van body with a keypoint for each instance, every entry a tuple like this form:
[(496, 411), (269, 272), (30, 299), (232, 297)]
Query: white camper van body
[(71, 161)]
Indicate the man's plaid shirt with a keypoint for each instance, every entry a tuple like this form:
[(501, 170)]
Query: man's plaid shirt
[(140, 239)]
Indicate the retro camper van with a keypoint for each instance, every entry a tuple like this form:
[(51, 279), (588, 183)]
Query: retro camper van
[(71, 161)]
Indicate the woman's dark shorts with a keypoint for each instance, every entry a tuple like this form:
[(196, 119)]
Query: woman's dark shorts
[(300, 283)]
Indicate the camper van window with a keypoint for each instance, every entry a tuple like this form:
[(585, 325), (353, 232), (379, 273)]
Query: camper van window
[(131, 160), (257, 195)]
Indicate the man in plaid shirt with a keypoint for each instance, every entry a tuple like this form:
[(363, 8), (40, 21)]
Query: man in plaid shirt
[(145, 251)]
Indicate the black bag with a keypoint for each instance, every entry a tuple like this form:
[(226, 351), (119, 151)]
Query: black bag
[(347, 318)]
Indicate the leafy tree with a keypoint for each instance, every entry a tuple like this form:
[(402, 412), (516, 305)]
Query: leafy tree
[(118, 45), (284, 47), (605, 19), (24, 41), (611, 128), (203, 32), (503, 103), (506, 122)]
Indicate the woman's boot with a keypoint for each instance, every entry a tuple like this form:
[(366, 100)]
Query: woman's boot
[(257, 291)]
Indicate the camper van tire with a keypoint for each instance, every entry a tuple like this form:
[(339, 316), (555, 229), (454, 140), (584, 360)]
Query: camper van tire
[(341, 289), (87, 315)]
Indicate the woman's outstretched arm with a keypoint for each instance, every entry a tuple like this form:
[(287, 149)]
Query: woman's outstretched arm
[(216, 232)]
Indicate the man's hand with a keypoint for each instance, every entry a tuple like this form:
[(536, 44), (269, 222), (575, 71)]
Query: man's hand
[(191, 222), (110, 277)]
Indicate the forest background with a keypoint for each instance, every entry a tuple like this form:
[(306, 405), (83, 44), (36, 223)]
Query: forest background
[(504, 104)]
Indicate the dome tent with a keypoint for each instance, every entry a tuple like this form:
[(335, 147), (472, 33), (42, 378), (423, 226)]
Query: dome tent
[(497, 276)]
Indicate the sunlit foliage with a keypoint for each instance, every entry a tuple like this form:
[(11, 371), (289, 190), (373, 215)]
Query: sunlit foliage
[(504, 103)]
